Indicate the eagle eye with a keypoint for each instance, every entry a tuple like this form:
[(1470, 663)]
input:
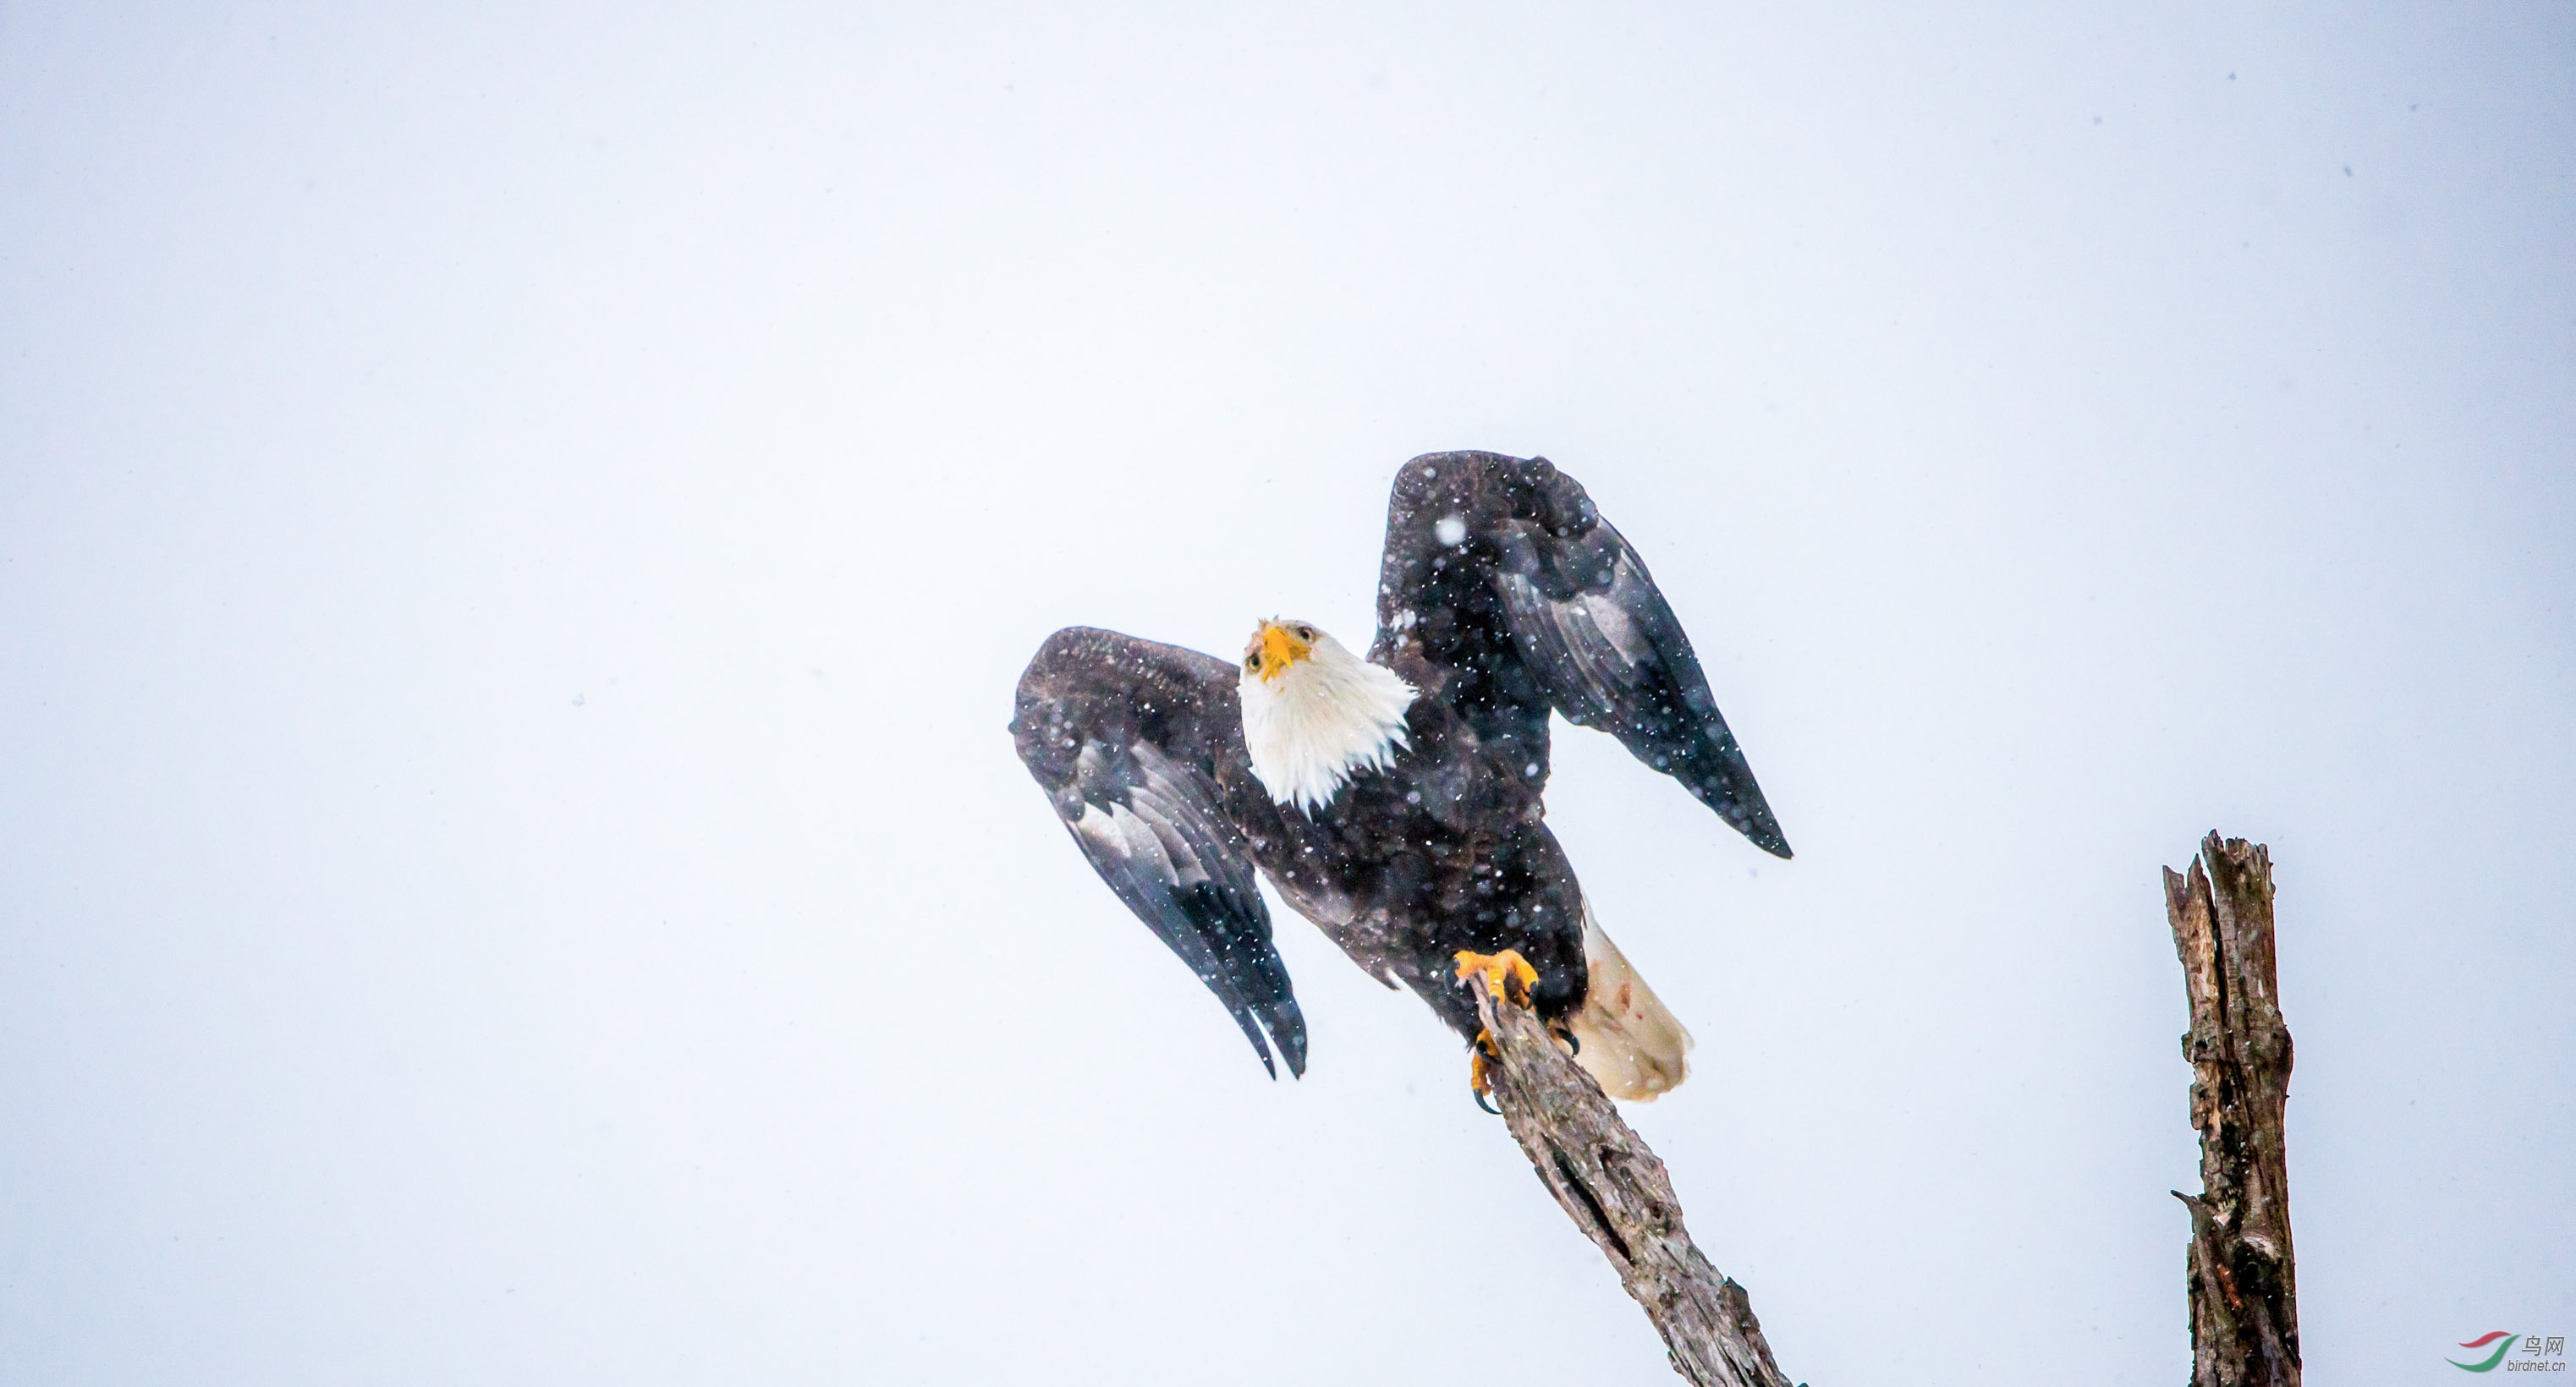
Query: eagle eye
[(1305, 633), (1252, 664)]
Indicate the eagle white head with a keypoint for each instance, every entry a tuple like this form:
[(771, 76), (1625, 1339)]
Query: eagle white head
[(1314, 714)]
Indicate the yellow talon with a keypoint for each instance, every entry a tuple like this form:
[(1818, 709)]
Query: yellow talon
[(1480, 1071), (1500, 972)]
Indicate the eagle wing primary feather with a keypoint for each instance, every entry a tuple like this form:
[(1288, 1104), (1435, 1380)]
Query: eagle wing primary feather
[(1501, 571), (1125, 736)]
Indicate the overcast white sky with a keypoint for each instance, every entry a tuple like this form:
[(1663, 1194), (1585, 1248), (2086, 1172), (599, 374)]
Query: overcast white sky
[(517, 530)]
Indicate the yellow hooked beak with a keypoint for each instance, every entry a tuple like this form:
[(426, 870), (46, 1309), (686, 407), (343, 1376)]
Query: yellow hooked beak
[(1274, 648)]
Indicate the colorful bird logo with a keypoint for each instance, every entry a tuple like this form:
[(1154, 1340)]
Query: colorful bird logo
[(2502, 1339)]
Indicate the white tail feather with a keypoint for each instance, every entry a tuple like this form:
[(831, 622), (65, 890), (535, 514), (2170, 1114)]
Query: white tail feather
[(1630, 1044)]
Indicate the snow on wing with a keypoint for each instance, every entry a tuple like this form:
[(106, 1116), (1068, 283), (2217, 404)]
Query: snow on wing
[(1480, 541), (1123, 734)]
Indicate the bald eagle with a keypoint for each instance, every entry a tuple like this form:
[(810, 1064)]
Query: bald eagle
[(1395, 801)]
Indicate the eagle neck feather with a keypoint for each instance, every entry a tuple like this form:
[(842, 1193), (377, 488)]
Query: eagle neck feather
[(1322, 721)]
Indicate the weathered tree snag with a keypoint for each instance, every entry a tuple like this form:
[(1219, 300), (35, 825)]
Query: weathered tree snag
[(2244, 1293), (1616, 1191)]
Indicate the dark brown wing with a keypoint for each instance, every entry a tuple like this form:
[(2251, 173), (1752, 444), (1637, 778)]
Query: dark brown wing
[(1500, 572), (1125, 736)]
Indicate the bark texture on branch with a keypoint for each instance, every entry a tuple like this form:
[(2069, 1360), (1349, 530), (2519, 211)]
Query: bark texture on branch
[(1615, 1190), (2244, 1291)]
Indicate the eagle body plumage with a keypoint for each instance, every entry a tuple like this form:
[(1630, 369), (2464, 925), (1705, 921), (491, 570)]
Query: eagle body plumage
[(1503, 596)]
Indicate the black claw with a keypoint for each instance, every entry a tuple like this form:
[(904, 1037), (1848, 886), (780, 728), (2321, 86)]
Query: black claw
[(1480, 1102)]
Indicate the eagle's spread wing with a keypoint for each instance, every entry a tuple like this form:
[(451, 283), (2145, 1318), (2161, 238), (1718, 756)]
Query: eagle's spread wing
[(1503, 575), (1126, 736)]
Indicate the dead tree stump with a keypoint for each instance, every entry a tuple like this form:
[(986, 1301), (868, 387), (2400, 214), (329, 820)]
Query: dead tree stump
[(2244, 1291), (1615, 1190)]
